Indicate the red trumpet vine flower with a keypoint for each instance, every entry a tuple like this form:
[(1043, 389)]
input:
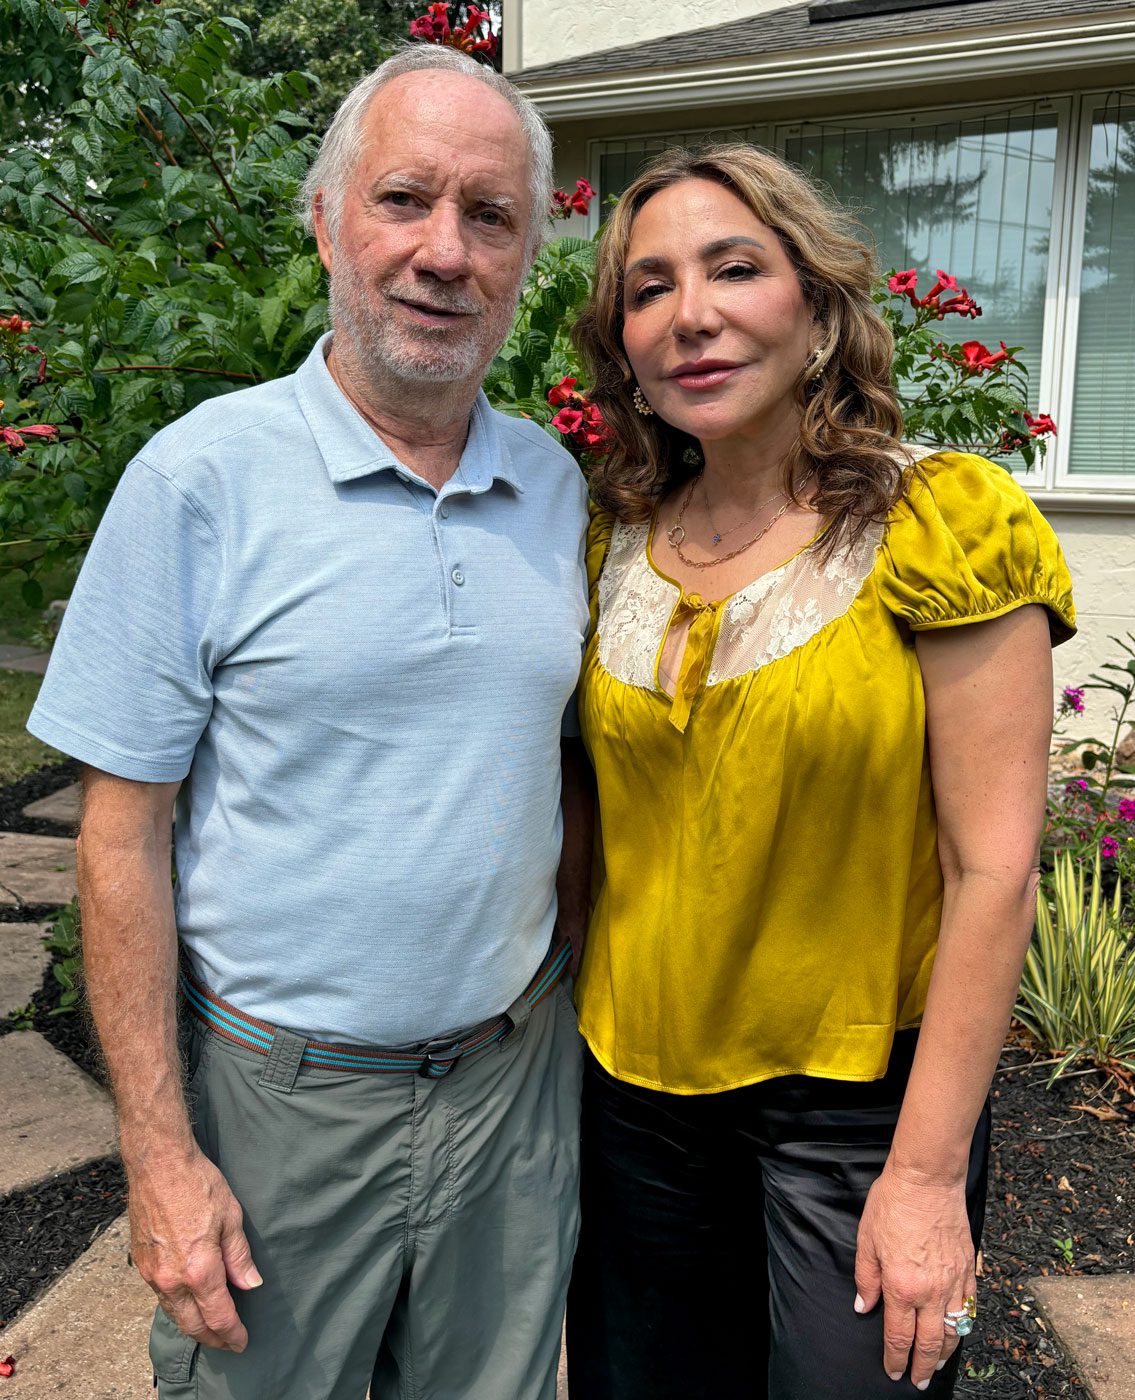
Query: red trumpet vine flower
[(579, 420)]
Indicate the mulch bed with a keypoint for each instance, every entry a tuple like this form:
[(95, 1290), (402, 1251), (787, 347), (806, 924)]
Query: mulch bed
[(1062, 1182), (30, 788), (44, 1229)]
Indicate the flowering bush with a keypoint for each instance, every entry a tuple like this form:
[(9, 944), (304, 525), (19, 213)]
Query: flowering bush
[(961, 395), (148, 252), (1092, 814), (434, 27)]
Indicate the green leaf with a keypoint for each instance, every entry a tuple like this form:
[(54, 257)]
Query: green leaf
[(75, 486), (272, 312), (81, 267), (31, 591)]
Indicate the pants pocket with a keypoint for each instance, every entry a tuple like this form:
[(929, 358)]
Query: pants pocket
[(173, 1356)]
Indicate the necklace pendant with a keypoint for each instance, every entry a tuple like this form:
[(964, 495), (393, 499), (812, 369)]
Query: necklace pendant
[(676, 534), (717, 539)]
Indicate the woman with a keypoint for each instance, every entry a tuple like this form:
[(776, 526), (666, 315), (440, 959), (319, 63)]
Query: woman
[(818, 701)]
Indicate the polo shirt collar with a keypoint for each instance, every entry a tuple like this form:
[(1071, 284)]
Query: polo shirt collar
[(350, 447)]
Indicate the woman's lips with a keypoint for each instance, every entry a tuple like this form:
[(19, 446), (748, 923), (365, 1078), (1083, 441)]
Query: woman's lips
[(705, 379)]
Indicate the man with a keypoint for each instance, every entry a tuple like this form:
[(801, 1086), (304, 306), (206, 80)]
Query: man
[(337, 620)]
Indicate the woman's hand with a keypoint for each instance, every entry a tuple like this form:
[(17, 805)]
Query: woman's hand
[(914, 1251)]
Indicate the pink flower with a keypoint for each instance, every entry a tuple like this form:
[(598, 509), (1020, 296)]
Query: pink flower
[(903, 283), (1076, 785), (1126, 809), (1072, 700), (1109, 848), (583, 196), (961, 305)]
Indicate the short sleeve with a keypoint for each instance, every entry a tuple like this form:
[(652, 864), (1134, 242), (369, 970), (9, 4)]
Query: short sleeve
[(129, 686), (967, 545), (599, 531)]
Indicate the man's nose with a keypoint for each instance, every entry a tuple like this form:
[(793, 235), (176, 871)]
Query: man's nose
[(694, 311), (442, 250)]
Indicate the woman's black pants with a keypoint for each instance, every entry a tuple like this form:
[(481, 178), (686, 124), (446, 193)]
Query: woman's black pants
[(717, 1253)]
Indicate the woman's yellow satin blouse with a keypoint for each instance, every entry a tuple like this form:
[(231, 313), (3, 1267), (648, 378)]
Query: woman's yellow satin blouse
[(767, 891)]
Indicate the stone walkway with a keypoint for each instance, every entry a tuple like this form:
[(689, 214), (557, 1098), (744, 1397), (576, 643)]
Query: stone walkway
[(85, 1338), (23, 659)]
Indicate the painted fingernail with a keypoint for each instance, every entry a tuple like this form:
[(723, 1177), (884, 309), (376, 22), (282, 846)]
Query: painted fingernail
[(922, 1385), (860, 1305), (895, 1375)]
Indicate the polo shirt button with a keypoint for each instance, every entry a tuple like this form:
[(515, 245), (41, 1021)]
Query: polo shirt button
[(458, 577)]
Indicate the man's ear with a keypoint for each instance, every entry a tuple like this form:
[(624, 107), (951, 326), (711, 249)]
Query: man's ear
[(322, 236)]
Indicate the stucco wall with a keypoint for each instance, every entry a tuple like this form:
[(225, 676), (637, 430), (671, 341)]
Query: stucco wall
[(1100, 550), (544, 31)]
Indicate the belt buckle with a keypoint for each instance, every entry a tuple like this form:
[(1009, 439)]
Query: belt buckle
[(431, 1068)]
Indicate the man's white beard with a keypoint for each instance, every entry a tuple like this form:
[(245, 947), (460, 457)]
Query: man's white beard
[(381, 348)]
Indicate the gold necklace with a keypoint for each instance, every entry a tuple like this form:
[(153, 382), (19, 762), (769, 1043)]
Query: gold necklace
[(677, 533), (719, 535)]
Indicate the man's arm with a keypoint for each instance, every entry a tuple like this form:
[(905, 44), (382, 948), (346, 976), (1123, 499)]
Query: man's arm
[(573, 881), (186, 1226)]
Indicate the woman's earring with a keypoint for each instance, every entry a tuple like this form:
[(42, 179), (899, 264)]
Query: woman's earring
[(814, 382), (640, 403)]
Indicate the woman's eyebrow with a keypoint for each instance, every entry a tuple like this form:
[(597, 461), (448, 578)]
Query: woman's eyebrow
[(708, 250)]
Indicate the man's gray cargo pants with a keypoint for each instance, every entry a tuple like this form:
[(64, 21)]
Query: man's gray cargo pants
[(414, 1235)]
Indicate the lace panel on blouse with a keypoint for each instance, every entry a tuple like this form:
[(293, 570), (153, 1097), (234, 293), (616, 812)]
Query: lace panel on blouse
[(763, 622)]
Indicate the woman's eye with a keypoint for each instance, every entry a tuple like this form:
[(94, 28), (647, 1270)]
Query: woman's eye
[(737, 272), (646, 293)]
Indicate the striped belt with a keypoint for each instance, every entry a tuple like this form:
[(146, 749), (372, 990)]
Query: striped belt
[(431, 1062)]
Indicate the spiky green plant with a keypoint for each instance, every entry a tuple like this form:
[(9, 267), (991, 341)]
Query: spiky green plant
[(1077, 995)]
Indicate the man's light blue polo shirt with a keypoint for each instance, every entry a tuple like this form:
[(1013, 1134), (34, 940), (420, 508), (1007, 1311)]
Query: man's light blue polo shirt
[(361, 681)]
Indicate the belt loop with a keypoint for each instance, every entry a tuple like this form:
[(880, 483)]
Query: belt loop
[(283, 1062)]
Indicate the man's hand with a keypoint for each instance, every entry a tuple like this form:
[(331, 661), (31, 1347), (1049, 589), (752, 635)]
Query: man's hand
[(187, 1239)]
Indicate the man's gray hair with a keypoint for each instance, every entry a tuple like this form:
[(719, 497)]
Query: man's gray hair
[(341, 148)]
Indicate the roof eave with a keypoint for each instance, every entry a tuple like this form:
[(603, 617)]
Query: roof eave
[(877, 66)]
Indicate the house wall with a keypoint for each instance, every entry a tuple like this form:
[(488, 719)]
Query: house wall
[(547, 31), (1100, 549)]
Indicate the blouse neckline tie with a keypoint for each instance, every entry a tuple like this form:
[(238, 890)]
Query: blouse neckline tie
[(695, 654)]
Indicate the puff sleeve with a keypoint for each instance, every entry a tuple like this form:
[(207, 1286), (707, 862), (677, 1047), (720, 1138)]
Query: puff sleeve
[(967, 545)]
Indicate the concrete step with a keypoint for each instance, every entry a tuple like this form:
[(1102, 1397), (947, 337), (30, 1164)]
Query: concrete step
[(86, 1337), (35, 870), (1094, 1316), (61, 806), (22, 961), (55, 1116)]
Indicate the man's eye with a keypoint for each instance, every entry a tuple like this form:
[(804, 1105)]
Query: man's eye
[(401, 199), (492, 217)]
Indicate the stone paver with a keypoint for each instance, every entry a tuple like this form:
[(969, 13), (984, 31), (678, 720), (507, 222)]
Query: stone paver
[(22, 961), (54, 1118), (1095, 1319), (61, 806), (23, 659), (35, 870), (86, 1337)]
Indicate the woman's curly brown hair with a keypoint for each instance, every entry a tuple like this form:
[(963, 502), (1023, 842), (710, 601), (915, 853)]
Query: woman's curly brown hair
[(850, 420)]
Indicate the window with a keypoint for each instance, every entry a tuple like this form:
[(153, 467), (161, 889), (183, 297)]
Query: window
[(1101, 314), (614, 164)]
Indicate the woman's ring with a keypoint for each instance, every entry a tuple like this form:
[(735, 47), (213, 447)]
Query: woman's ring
[(961, 1320)]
